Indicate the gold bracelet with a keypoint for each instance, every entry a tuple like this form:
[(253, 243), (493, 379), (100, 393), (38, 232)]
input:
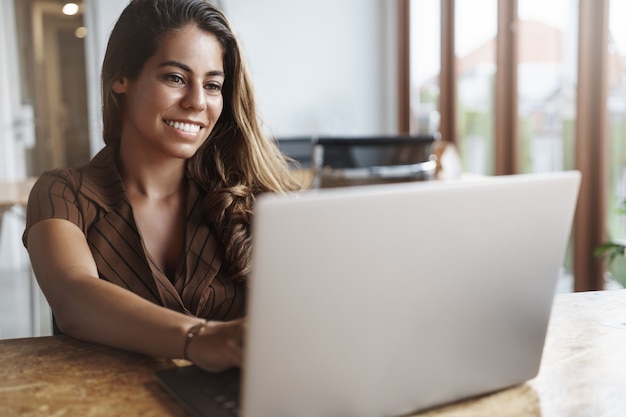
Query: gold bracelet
[(193, 331)]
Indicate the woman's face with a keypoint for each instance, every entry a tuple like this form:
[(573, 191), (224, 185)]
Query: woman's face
[(174, 103)]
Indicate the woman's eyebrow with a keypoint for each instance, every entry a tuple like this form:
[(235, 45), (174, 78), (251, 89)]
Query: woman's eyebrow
[(186, 68)]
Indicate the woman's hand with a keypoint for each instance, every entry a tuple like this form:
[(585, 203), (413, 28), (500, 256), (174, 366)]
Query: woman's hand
[(218, 346)]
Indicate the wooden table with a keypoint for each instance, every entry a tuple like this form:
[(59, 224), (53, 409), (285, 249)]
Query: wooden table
[(61, 376), (583, 373)]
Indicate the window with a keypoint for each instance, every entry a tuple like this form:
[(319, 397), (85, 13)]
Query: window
[(425, 65), (617, 119), (475, 55), (547, 33), (527, 82)]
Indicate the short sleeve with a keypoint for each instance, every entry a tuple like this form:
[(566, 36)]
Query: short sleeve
[(54, 196)]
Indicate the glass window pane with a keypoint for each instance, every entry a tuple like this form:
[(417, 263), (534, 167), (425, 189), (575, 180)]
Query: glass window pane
[(546, 85), (475, 41), (547, 57), (425, 41), (617, 118)]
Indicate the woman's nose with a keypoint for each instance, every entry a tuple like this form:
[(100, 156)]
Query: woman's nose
[(195, 98)]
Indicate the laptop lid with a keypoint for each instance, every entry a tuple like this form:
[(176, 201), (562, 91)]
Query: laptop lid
[(387, 299)]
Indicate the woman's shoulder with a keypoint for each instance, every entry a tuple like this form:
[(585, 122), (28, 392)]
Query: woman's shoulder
[(58, 178), (98, 180)]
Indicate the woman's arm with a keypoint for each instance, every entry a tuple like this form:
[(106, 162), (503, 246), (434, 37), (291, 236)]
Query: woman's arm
[(95, 310)]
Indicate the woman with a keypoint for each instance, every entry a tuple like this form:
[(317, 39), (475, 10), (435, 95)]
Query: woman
[(147, 248)]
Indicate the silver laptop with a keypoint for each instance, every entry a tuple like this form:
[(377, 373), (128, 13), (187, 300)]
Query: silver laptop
[(389, 299)]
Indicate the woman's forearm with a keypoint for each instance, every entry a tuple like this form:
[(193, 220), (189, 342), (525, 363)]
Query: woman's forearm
[(101, 312)]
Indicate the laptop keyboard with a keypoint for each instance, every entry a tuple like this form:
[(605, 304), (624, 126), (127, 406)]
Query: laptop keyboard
[(226, 393), (204, 394)]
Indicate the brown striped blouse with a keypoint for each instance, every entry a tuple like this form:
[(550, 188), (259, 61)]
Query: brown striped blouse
[(94, 199)]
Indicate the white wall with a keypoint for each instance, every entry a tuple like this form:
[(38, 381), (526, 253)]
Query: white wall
[(319, 67)]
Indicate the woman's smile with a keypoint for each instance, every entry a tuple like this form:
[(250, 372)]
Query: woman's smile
[(187, 127)]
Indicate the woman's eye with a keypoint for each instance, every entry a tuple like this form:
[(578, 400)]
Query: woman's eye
[(213, 87), (176, 79)]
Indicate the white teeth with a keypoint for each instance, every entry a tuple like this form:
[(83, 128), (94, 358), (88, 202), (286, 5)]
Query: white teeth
[(185, 127)]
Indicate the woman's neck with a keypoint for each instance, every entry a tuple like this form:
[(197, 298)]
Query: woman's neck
[(151, 176)]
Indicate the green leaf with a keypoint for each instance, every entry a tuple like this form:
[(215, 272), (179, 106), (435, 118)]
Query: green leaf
[(609, 250)]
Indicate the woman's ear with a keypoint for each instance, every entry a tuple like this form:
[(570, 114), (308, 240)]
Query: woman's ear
[(119, 86)]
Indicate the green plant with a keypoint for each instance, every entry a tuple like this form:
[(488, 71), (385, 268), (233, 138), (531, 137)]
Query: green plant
[(615, 253), (610, 250)]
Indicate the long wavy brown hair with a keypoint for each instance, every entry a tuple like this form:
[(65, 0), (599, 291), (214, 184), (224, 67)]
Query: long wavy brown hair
[(238, 160)]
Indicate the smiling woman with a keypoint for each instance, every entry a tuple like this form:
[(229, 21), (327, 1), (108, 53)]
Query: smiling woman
[(148, 246)]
